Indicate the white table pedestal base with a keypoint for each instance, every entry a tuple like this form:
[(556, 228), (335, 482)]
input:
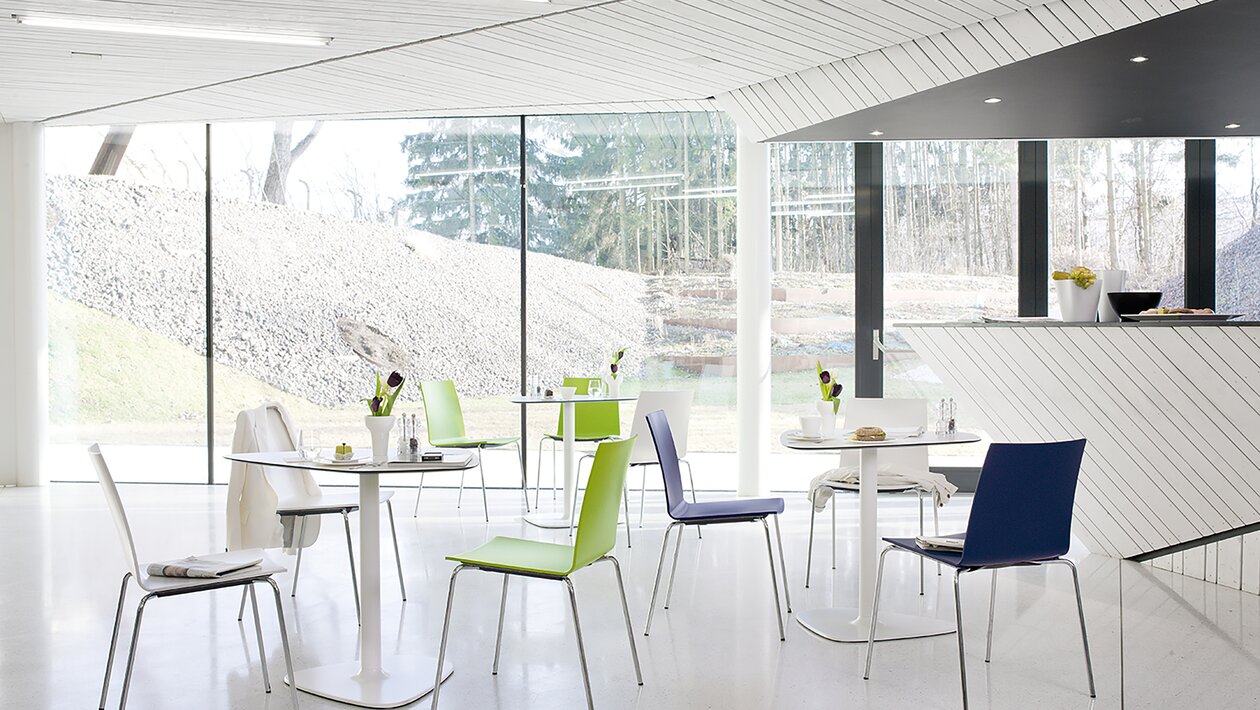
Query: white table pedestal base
[(551, 521), (844, 625), (405, 679)]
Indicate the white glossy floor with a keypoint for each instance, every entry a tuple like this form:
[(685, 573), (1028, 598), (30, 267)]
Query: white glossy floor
[(1185, 643)]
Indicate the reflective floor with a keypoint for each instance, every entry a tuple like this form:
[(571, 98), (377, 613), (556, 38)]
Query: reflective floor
[(1185, 644)]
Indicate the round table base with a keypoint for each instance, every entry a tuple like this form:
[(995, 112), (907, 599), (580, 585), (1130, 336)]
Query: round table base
[(551, 521), (405, 680), (843, 625)]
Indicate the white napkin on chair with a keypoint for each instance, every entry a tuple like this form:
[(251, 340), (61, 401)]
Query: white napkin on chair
[(934, 483)]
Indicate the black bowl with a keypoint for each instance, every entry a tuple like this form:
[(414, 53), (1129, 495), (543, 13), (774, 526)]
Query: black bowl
[(1131, 303)]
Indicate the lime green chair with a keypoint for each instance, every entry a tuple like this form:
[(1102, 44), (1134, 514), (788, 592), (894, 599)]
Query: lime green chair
[(596, 536), (596, 421), (444, 422)]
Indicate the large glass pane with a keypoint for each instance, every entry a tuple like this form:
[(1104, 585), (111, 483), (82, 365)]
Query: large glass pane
[(351, 247), (950, 235), (631, 238), (1120, 204), (1237, 228), (126, 301), (812, 295)]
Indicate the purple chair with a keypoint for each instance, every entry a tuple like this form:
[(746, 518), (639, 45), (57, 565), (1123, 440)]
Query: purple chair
[(684, 513), (1021, 515)]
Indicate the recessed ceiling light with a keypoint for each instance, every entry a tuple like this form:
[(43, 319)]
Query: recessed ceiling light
[(1139, 59), (877, 133), (97, 25), (993, 100), (1232, 126)]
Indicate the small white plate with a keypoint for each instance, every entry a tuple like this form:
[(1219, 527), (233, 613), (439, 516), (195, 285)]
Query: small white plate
[(796, 435), (356, 461)]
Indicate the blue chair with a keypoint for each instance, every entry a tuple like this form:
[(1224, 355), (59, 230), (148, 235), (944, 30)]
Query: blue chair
[(684, 513), (1021, 515)]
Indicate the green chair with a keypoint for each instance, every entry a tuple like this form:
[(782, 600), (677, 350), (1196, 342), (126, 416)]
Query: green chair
[(596, 536), (596, 421), (444, 420)]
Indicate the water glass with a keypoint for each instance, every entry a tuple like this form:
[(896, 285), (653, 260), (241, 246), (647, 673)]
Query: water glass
[(595, 388), (308, 444)]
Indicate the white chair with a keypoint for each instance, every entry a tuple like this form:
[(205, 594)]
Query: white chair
[(156, 587), (291, 494), (887, 413)]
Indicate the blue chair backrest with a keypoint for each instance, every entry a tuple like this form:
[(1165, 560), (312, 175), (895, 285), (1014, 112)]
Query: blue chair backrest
[(1023, 505), (667, 454)]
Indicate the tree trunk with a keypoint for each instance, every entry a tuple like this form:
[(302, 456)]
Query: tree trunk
[(110, 155), (283, 155), (1113, 249)]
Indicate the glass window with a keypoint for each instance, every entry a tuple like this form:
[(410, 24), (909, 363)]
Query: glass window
[(351, 247), (1120, 204), (632, 243), (126, 239), (1237, 227), (950, 238)]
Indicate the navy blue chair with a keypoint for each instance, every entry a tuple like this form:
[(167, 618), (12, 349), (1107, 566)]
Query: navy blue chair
[(685, 513), (1021, 515)]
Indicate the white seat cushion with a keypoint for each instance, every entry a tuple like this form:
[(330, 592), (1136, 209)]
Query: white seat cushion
[(325, 502), (267, 568)]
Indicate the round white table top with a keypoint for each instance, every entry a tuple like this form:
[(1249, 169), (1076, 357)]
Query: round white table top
[(842, 441), (292, 459), (578, 399)]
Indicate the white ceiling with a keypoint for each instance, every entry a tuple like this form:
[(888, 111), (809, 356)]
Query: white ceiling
[(459, 57)]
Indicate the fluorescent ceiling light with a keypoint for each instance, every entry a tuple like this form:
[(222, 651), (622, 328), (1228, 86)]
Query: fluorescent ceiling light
[(993, 100), (137, 28), (1139, 59), (1233, 126), (877, 133)]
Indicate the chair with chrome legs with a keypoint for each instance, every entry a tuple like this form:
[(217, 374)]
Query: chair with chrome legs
[(594, 422), (444, 422), (1021, 515), (743, 510), (159, 587), (596, 537)]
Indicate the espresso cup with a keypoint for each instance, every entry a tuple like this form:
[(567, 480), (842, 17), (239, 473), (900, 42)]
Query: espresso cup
[(811, 426)]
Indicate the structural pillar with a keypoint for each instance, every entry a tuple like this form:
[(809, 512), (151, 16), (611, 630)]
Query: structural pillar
[(753, 269), (23, 310)]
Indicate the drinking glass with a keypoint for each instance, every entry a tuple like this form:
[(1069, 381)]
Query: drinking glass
[(308, 444), (595, 388)]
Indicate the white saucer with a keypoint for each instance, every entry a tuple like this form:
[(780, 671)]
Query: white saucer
[(796, 435), (348, 462)]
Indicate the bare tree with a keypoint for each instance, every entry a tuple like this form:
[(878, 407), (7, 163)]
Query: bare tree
[(110, 155), (283, 154)]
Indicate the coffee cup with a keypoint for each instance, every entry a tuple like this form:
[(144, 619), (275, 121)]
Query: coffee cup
[(811, 426)]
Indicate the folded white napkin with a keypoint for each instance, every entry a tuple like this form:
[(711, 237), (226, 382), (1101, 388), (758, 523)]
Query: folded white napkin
[(934, 483), (199, 567)]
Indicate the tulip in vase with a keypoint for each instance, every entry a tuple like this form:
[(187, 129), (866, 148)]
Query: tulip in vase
[(829, 405), (380, 420)]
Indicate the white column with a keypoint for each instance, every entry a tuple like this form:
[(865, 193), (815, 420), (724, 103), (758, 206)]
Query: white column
[(23, 317), (752, 370)]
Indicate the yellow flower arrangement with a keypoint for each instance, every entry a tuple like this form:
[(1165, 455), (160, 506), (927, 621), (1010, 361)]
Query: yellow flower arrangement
[(1081, 276)]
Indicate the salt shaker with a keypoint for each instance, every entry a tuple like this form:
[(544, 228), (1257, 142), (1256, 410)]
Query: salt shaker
[(953, 412), (942, 418)]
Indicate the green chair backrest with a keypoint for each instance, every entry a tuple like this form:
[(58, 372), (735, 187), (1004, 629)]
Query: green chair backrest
[(597, 526), (443, 417), (595, 420)]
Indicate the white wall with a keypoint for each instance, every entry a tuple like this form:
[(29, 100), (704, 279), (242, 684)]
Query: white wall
[(23, 319)]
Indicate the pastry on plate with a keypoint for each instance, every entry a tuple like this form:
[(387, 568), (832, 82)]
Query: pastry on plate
[(869, 433)]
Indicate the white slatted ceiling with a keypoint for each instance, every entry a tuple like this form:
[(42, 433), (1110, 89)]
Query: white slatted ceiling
[(640, 52), (1169, 413), (776, 107)]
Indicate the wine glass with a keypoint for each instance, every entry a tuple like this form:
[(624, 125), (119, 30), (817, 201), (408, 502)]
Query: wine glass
[(308, 444), (595, 388)]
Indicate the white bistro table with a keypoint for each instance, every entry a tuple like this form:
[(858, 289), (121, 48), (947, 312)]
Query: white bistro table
[(375, 680), (852, 625), (569, 408)]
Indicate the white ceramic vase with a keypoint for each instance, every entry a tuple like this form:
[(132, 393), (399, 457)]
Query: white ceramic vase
[(379, 428), (1076, 304), (827, 411), (1112, 281), (612, 386)]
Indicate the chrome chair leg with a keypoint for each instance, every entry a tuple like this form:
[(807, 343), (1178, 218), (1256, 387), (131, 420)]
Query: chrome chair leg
[(498, 640), (936, 528), (778, 535), (642, 493), (921, 560), (809, 550), (660, 566), (988, 644), (446, 628), (577, 628), (354, 575), (113, 640), (692, 479), (625, 504), (284, 642), (262, 652), (240, 611), (131, 655), (393, 531), (870, 638), (538, 469), (962, 656), (416, 513), (833, 531), (520, 458), (1080, 610), (297, 568), (673, 570), (459, 500), (625, 610), (485, 505), (774, 581)]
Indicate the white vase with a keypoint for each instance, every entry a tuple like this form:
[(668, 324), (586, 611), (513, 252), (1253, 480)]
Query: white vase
[(827, 411), (1112, 281), (612, 386), (1076, 304), (379, 428)]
